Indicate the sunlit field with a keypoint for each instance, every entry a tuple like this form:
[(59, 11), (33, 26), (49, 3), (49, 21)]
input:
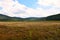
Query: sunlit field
[(44, 30)]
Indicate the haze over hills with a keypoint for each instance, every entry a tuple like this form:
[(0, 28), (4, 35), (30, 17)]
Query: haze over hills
[(8, 18)]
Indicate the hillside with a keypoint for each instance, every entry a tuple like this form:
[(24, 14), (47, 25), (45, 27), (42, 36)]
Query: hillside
[(8, 18), (4, 17), (53, 17)]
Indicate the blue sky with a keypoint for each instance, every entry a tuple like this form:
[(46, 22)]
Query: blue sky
[(29, 8), (33, 4), (29, 3), (1, 8)]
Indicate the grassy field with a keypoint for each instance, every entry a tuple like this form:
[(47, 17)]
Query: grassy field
[(44, 30)]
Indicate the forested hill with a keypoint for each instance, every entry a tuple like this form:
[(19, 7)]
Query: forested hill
[(53, 17), (8, 18)]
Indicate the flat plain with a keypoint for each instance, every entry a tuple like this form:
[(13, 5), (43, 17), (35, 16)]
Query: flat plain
[(43, 30)]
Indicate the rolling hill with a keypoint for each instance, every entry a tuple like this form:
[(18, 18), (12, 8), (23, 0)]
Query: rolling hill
[(53, 17), (8, 18)]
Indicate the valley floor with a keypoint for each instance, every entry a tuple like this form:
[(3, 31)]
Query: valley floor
[(44, 30)]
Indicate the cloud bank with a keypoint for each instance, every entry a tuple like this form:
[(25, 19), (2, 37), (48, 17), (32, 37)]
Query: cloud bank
[(15, 9)]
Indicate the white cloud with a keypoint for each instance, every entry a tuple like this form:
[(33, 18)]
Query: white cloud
[(55, 6), (10, 7), (49, 2), (14, 8)]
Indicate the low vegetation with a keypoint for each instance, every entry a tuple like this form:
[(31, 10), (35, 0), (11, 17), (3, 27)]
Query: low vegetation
[(46, 30)]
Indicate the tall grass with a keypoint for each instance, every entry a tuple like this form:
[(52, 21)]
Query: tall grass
[(47, 30)]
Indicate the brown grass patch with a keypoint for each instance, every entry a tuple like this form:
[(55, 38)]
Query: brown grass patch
[(47, 30)]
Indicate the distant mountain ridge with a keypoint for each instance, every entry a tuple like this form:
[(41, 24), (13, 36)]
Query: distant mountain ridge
[(53, 17), (8, 18)]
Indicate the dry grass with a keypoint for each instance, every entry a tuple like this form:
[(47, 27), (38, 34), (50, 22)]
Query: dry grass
[(46, 30)]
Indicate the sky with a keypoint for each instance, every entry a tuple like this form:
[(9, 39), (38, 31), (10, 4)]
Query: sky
[(29, 8)]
